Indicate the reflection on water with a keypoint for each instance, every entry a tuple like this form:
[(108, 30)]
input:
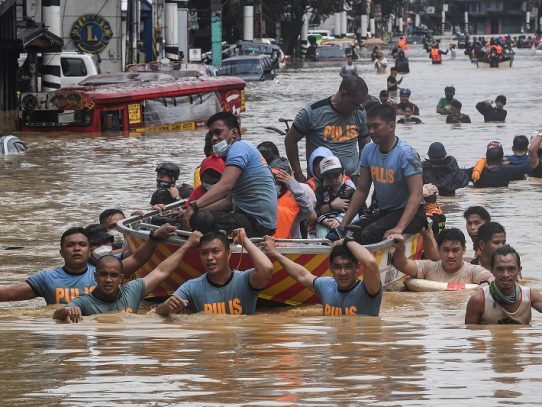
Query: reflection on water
[(417, 352)]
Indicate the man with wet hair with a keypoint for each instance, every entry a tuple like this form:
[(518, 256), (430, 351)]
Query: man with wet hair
[(76, 276), (535, 154), (490, 113), (451, 268), (245, 196), (221, 290), (108, 219), (111, 295), (337, 122), (520, 149), (504, 301), (455, 115), (491, 236), (342, 294), (475, 216), (395, 170)]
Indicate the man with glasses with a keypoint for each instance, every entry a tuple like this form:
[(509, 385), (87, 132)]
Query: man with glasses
[(245, 196), (342, 294), (110, 296), (337, 122)]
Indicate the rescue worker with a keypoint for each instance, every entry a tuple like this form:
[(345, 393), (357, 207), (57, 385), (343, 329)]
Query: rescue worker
[(436, 54)]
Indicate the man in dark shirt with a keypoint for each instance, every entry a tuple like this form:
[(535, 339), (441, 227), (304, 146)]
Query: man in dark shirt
[(495, 173), (490, 113), (535, 153), (520, 147), (456, 116), (404, 96), (392, 81)]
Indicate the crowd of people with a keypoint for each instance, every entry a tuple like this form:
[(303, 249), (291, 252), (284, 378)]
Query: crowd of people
[(241, 191)]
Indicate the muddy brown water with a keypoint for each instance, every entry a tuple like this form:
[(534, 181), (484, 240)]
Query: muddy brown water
[(418, 352)]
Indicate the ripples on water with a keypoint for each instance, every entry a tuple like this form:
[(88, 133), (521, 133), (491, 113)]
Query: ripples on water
[(417, 352)]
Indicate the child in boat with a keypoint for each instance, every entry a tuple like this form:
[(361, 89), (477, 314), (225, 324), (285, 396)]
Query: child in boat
[(332, 198), (211, 170), (167, 192)]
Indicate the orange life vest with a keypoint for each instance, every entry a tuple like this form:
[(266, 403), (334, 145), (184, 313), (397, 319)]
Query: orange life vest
[(311, 182), (403, 45), (435, 56), (286, 214), (478, 169)]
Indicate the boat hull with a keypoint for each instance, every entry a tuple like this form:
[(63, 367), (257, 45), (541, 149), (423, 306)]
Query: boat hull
[(507, 64), (282, 289)]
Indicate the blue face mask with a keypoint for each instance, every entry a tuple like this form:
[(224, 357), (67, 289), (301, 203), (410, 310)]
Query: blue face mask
[(222, 147)]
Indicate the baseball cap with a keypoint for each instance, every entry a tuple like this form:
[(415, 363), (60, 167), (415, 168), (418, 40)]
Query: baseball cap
[(213, 162), (494, 144), (436, 151), (501, 98), (329, 165), (405, 91)]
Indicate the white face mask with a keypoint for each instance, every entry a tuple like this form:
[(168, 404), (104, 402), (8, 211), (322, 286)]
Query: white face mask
[(222, 147), (101, 251), (207, 186), (119, 238)]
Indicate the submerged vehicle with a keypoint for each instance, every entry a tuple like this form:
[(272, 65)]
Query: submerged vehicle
[(137, 100), (325, 54), (11, 145), (248, 67), (283, 289)]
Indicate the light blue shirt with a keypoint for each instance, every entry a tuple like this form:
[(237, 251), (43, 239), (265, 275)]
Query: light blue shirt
[(390, 171), (355, 301), (57, 286), (131, 295), (254, 192), (236, 297)]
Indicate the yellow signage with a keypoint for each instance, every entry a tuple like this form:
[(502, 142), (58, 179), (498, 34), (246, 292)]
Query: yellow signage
[(134, 113), (243, 100), (185, 126)]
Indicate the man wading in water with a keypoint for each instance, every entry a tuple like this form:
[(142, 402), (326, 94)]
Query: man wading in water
[(504, 301)]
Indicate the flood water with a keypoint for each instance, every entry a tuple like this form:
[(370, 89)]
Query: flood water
[(418, 352)]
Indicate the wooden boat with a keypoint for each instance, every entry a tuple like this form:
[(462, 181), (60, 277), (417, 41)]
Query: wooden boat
[(495, 63), (311, 253), (129, 101), (420, 285)]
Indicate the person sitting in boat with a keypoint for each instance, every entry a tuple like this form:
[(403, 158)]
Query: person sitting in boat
[(342, 294), (443, 171), (392, 81), (495, 51), (332, 198), (268, 150), (408, 117), (504, 301), (313, 167), (535, 156), (221, 290), (211, 170), (113, 295), (167, 174), (109, 219), (245, 196), (404, 101), (337, 122), (455, 115), (475, 216), (490, 236), (295, 201), (490, 113), (451, 268), (76, 276), (491, 171), (444, 104), (520, 148), (349, 68), (101, 243), (395, 170)]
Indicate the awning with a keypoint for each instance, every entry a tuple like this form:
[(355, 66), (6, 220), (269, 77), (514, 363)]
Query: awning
[(37, 38)]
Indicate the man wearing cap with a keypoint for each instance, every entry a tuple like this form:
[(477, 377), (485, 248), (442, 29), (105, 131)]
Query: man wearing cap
[(395, 170), (404, 97), (337, 122), (76, 276), (443, 171), (490, 113), (444, 104), (491, 171)]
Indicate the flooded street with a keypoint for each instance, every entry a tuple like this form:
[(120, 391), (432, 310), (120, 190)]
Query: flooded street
[(418, 352)]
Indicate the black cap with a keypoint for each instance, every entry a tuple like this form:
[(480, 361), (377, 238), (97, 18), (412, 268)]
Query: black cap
[(168, 168), (501, 98), (97, 235), (436, 151)]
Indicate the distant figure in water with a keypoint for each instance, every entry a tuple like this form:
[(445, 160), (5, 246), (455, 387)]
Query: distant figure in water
[(504, 301), (490, 113), (349, 68)]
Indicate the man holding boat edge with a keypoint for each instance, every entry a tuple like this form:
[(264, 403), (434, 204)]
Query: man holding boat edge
[(76, 277), (112, 295), (504, 301), (342, 294), (222, 290)]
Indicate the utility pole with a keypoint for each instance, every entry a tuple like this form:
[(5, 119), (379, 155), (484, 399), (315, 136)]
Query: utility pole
[(216, 31)]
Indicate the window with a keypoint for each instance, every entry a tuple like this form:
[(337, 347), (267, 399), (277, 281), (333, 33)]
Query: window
[(73, 67)]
